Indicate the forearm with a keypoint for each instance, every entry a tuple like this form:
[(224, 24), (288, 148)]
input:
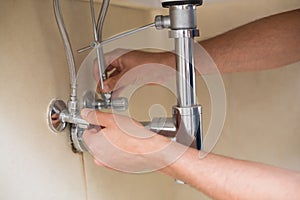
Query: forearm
[(226, 178), (264, 44), (216, 176)]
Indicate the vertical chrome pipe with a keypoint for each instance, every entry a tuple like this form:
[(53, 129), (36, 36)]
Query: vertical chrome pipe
[(183, 30), (187, 113), (185, 72)]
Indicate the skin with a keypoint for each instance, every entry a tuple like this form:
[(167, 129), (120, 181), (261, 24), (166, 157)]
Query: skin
[(265, 44), (217, 176), (268, 43)]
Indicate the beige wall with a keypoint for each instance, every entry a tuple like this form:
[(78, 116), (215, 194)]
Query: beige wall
[(35, 163), (261, 124)]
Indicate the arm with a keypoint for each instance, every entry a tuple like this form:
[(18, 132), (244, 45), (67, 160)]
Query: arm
[(226, 178), (217, 176), (264, 44)]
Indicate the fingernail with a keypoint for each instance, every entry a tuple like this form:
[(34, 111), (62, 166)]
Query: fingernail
[(85, 112)]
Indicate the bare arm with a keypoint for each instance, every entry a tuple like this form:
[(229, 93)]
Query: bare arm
[(264, 44), (226, 178), (217, 176)]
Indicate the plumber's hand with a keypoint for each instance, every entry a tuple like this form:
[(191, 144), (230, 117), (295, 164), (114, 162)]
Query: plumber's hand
[(124, 145), (121, 61)]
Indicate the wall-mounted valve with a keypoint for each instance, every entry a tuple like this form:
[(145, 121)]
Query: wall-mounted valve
[(61, 114), (96, 101), (59, 117)]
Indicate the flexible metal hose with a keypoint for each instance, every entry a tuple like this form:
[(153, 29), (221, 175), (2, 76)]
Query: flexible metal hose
[(67, 45), (97, 29), (101, 19)]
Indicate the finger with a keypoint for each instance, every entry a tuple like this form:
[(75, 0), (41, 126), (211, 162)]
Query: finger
[(113, 71), (111, 68), (113, 56), (113, 76), (105, 88), (97, 117), (91, 139), (115, 93), (110, 84), (87, 134)]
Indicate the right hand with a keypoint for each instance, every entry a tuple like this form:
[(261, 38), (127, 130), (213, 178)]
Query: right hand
[(125, 145), (121, 61)]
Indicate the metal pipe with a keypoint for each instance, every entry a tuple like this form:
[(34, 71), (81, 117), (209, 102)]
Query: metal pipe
[(68, 48), (127, 33), (101, 19), (116, 37), (101, 65), (185, 72), (187, 113), (93, 21), (97, 29)]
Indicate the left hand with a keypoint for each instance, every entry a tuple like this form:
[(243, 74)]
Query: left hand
[(123, 144), (120, 61)]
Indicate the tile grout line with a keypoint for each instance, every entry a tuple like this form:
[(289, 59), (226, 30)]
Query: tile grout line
[(84, 177)]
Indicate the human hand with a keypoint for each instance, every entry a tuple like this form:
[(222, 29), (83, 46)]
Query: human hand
[(121, 61), (125, 145)]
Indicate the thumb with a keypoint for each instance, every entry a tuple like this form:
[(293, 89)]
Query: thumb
[(97, 118)]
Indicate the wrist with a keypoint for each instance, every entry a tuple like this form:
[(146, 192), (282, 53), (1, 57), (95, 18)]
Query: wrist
[(175, 158)]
